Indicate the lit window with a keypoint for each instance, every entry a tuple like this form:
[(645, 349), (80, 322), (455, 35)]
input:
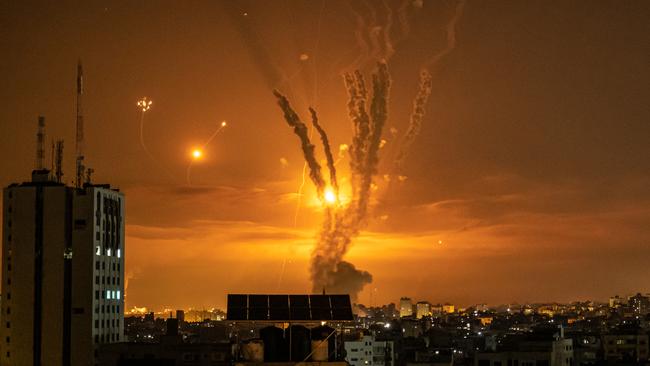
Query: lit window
[(98, 250), (108, 252), (119, 253), (118, 294), (108, 294)]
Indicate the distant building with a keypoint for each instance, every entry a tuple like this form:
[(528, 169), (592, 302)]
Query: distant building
[(368, 351), (422, 309), (631, 346), (448, 308), (405, 307), (616, 301), (62, 271), (541, 348), (180, 315), (639, 303), (171, 350)]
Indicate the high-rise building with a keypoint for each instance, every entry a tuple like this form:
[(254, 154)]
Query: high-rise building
[(405, 307), (422, 309), (62, 271)]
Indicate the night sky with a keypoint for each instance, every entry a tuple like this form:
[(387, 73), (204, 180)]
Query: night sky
[(529, 180)]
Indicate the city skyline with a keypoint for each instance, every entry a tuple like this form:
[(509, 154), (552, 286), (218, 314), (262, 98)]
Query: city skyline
[(528, 181)]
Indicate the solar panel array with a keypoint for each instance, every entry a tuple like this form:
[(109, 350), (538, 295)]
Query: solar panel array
[(289, 307)]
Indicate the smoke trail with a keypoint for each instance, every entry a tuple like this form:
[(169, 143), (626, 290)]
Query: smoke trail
[(389, 50), (254, 44), (379, 115), (328, 151), (451, 35), (417, 115), (358, 94), (300, 130), (402, 16), (146, 150), (420, 101)]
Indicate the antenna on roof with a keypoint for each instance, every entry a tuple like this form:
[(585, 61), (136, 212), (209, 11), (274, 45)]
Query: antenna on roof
[(80, 129), (40, 140), (58, 171)]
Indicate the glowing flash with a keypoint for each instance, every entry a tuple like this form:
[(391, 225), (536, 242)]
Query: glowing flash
[(197, 154), (145, 104), (223, 124), (330, 197)]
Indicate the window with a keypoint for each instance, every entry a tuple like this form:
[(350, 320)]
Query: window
[(96, 323), (97, 265), (108, 294), (108, 252), (118, 294), (8, 325), (8, 339), (8, 310), (80, 224), (119, 253), (97, 280), (96, 294), (98, 250), (8, 295), (8, 280)]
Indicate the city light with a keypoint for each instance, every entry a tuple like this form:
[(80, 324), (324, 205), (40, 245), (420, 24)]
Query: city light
[(197, 154)]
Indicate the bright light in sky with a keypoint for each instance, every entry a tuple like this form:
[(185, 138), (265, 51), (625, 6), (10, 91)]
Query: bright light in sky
[(197, 154), (223, 124), (330, 197), (145, 104)]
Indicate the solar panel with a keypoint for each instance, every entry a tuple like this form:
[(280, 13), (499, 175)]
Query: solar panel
[(289, 307), (237, 307)]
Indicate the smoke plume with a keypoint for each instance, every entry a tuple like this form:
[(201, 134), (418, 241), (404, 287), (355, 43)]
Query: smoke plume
[(342, 223)]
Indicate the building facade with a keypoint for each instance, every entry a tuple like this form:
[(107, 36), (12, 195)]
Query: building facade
[(367, 351), (405, 307), (62, 271), (422, 309)]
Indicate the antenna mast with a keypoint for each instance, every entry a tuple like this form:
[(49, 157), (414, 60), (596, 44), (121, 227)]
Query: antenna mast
[(59, 161), (80, 129), (40, 140)]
